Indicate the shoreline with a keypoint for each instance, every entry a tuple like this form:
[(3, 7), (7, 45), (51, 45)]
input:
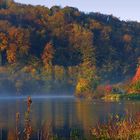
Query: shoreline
[(112, 97)]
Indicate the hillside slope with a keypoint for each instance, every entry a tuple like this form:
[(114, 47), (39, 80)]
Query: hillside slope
[(56, 41)]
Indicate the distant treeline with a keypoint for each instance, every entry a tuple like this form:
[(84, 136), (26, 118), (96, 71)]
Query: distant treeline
[(65, 46)]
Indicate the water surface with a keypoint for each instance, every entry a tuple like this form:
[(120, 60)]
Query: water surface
[(61, 114)]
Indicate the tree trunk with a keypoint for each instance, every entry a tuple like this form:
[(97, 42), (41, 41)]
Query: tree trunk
[(53, 72), (0, 58), (66, 74)]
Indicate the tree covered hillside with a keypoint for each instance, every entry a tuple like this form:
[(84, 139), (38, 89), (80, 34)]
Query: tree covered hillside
[(59, 48)]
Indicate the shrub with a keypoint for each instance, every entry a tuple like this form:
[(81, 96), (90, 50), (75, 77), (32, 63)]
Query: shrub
[(118, 129)]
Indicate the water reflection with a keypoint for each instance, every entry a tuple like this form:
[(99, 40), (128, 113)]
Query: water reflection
[(62, 115)]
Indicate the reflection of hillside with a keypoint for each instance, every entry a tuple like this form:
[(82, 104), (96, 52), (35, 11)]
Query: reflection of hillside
[(84, 113), (91, 113), (6, 114), (61, 115), (132, 107), (11, 135), (58, 113)]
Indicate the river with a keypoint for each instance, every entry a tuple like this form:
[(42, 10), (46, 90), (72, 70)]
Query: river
[(61, 114)]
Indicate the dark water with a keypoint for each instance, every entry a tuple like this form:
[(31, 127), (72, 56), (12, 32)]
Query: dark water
[(60, 114)]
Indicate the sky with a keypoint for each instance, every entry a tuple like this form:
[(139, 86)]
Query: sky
[(123, 9)]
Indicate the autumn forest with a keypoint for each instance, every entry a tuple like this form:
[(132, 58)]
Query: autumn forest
[(63, 50)]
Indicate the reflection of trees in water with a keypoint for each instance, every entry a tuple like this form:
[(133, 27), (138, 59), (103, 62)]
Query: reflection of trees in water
[(60, 117), (84, 112), (132, 107), (24, 134), (7, 120), (92, 112)]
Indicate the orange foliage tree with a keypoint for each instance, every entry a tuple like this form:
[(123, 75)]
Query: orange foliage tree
[(47, 57), (18, 42), (135, 87), (48, 54), (137, 76)]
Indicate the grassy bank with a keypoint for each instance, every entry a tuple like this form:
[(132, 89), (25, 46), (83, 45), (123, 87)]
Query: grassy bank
[(118, 129), (111, 96), (117, 97), (114, 92)]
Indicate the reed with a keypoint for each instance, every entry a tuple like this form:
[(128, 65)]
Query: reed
[(118, 129)]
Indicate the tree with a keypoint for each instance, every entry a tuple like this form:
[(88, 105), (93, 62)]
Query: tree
[(5, 3), (87, 79), (48, 58), (48, 54), (11, 53), (3, 45), (18, 42), (127, 38), (137, 75)]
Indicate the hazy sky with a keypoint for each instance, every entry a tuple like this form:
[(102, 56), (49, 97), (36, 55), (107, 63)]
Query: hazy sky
[(125, 9)]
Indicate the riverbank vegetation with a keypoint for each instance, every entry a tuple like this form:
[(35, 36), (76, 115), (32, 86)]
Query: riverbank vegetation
[(63, 50), (117, 128), (129, 90)]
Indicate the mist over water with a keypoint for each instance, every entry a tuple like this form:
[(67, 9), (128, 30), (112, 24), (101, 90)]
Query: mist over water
[(38, 97)]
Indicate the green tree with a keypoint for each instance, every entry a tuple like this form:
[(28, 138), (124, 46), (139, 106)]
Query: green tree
[(87, 80)]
